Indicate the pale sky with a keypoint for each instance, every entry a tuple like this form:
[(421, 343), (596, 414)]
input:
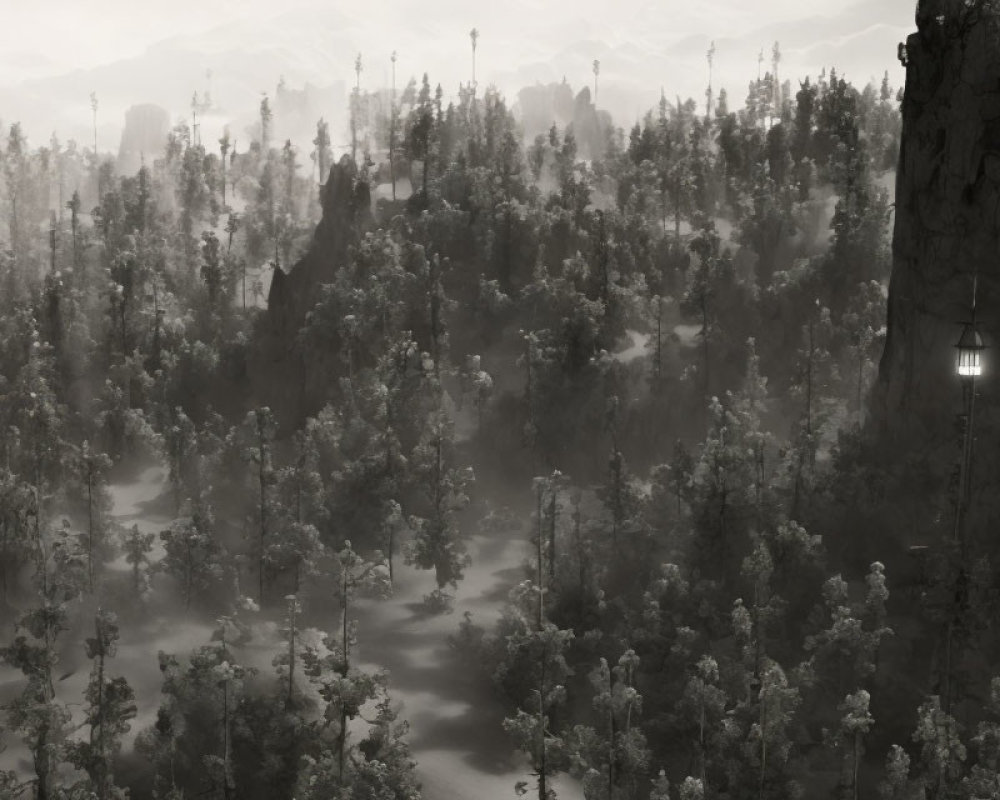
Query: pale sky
[(52, 51)]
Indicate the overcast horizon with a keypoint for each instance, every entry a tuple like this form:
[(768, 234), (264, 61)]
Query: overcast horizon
[(54, 55)]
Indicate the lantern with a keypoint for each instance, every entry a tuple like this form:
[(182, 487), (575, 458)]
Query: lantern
[(970, 347)]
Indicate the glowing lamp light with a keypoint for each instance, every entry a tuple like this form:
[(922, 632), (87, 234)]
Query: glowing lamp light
[(970, 349)]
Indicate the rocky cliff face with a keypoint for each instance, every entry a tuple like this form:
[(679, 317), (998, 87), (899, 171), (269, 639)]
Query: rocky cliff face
[(144, 136), (947, 217), (287, 379)]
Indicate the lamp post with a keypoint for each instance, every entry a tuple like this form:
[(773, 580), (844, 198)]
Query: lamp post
[(969, 366)]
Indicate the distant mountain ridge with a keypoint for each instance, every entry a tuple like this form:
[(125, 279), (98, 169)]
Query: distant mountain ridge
[(248, 56)]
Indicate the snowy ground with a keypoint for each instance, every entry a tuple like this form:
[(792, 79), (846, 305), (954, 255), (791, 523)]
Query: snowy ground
[(639, 342), (136, 658), (455, 719)]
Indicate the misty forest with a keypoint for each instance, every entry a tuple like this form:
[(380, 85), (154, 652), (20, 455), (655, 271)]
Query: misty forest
[(508, 448)]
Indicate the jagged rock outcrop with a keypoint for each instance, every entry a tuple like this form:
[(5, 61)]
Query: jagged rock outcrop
[(144, 136), (285, 377), (542, 106), (947, 218)]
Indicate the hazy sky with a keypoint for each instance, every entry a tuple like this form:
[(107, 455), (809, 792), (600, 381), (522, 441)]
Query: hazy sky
[(52, 51), (44, 38)]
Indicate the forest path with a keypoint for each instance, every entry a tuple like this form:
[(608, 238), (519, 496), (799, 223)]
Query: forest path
[(639, 343), (136, 503), (456, 733), (136, 656)]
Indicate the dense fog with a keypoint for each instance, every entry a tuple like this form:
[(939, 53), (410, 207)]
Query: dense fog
[(473, 445)]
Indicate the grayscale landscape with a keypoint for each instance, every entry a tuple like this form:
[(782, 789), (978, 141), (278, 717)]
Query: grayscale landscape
[(469, 401)]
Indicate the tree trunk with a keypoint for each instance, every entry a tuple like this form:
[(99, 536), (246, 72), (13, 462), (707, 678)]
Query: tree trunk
[(188, 578), (946, 693), (659, 346), (74, 223), (508, 247), (345, 668), (854, 765), (435, 308), (262, 480), (102, 766), (677, 214), (4, 565), (90, 528), (704, 340), (342, 744), (611, 737), (543, 793), (861, 367), (809, 381), (43, 766), (552, 535), (291, 657), (392, 148), (13, 226), (538, 554), (763, 738), (229, 785), (439, 512), (345, 644), (701, 748), (392, 549)]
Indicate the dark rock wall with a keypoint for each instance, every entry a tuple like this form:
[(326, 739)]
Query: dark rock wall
[(947, 215), (144, 136), (292, 381)]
